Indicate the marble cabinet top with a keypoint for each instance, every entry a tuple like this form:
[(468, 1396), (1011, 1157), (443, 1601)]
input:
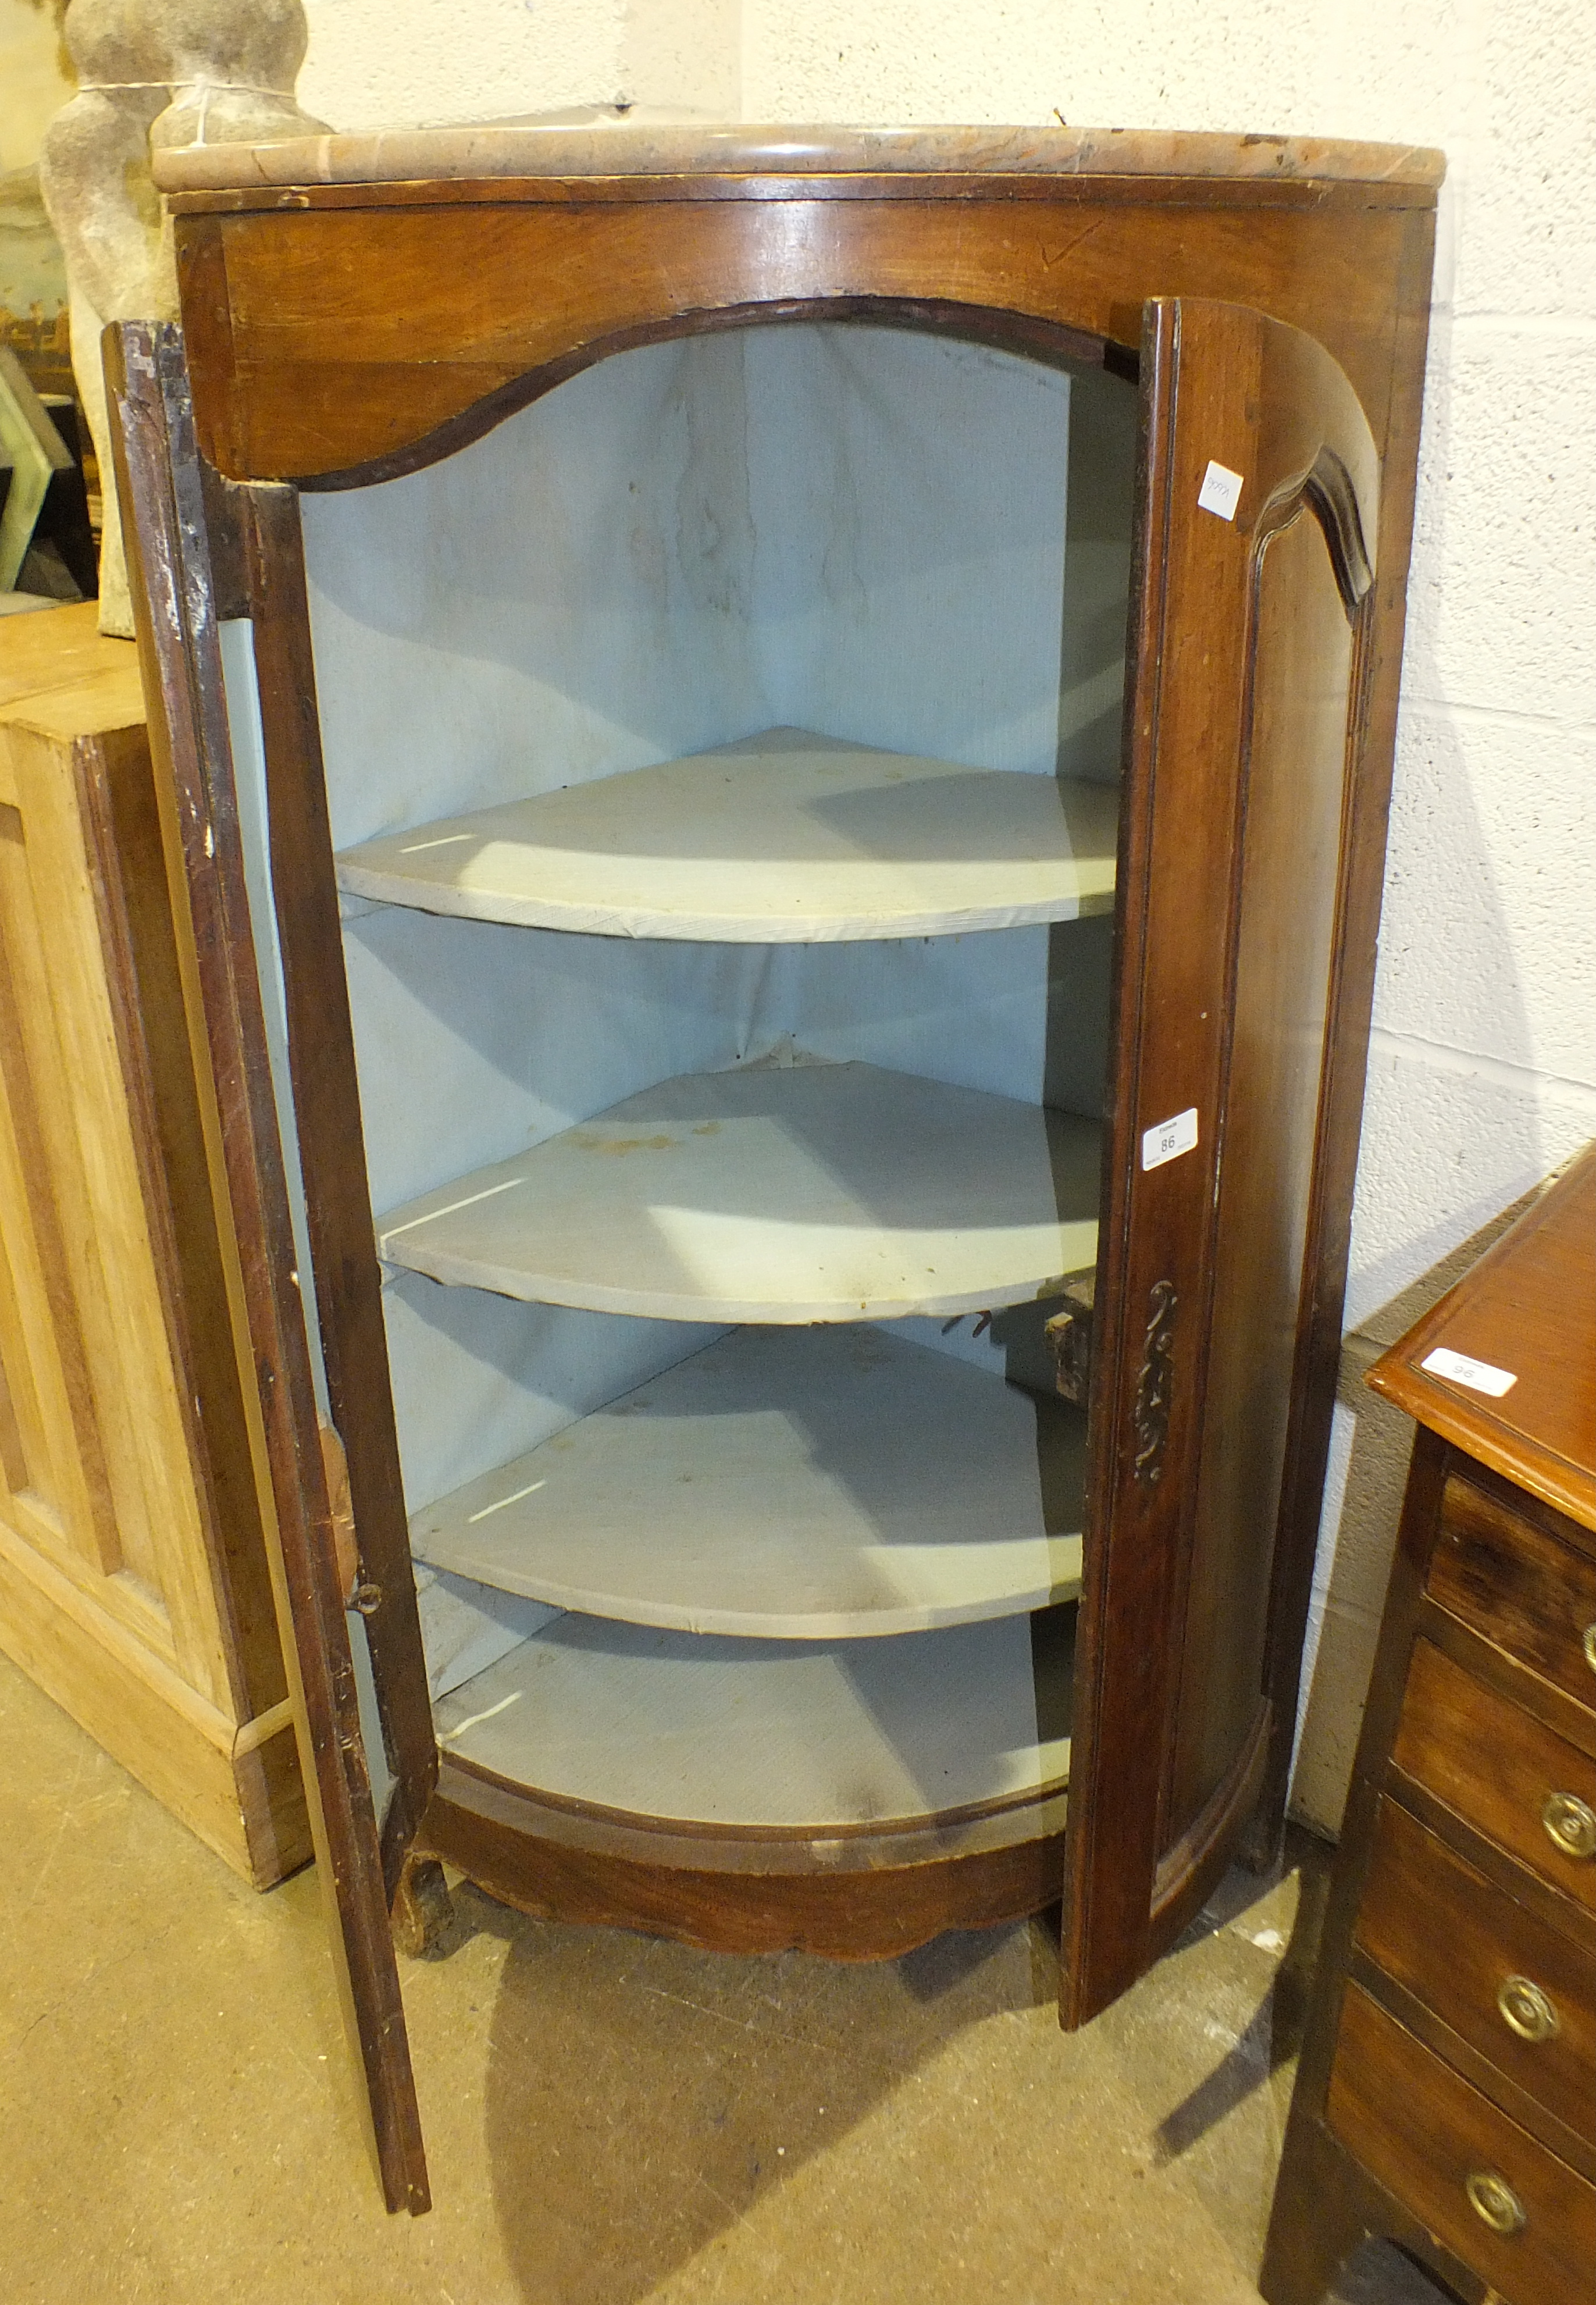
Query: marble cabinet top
[(605, 143)]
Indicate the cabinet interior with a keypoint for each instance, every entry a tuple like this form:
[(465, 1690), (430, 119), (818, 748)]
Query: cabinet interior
[(717, 1261)]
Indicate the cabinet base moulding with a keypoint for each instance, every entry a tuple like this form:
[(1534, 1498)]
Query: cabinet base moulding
[(236, 1784), (775, 1896)]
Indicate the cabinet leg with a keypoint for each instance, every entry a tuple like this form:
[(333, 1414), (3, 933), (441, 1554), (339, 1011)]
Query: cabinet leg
[(1316, 2223), (423, 1909)]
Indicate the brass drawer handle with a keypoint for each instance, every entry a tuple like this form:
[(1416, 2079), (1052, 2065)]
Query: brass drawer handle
[(1525, 2010), (1570, 1824), (1493, 2200), (1588, 1643)]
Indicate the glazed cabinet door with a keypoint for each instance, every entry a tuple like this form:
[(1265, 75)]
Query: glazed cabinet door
[(1257, 520), (215, 636)]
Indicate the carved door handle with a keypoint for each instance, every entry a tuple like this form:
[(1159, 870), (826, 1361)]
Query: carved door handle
[(1155, 1384)]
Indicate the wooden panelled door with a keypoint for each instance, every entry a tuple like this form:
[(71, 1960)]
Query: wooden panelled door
[(1255, 526), (1257, 516), (191, 564)]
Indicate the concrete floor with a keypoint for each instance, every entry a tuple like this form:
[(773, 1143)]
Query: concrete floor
[(609, 2119)]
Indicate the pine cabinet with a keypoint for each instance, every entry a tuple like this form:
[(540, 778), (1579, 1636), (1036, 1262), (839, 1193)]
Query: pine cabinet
[(778, 747), (134, 1585)]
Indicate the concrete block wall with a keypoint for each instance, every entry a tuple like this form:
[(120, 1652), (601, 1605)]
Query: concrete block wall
[(372, 62), (1483, 1072)]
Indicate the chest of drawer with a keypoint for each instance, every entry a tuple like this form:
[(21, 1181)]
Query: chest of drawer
[(1518, 1585), (1518, 1991), (1483, 2186), (1503, 1772)]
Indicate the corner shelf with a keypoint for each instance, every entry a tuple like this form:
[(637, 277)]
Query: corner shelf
[(789, 1486), (804, 1737), (786, 838), (823, 1192)]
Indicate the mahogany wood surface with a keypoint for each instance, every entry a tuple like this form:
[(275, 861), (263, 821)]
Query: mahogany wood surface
[(338, 339), (751, 1895), (1228, 874), (1525, 1307), (1482, 1702), (332, 1151), (1438, 1928), (1327, 2205), (1425, 2132), (335, 345), (1522, 1577), (1494, 1765), (158, 473)]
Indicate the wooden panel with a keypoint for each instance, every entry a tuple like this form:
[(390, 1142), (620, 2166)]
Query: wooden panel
[(747, 1895), (813, 1737), (1524, 1309), (1288, 830), (57, 1469), (338, 339), (1450, 1721), (122, 821), (1425, 2134), (67, 652), (331, 1147), (238, 1788), (1245, 709), (818, 1192), (782, 839), (159, 1657), (158, 475), (1442, 1931), (796, 1485), (1523, 1588), (120, 1480)]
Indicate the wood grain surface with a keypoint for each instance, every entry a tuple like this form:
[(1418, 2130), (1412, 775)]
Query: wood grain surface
[(333, 342), (1207, 1279), (1425, 2134), (1526, 1309), (1531, 1591), (158, 474), (1448, 1935), (901, 1891), (1494, 1765)]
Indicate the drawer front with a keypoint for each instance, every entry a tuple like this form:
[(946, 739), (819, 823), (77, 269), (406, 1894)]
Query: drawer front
[(1520, 1588), (1497, 2200), (1529, 1791), (1516, 1990)]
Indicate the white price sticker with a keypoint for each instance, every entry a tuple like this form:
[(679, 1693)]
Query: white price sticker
[(1221, 491), (1478, 1375), (1169, 1139)]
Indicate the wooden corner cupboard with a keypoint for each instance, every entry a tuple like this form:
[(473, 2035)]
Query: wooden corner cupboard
[(1446, 2095), (777, 754)]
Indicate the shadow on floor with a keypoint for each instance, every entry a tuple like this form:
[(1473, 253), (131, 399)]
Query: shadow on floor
[(1274, 2033), (679, 2087)]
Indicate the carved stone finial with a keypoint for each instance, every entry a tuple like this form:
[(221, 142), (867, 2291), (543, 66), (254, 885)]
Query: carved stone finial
[(170, 72)]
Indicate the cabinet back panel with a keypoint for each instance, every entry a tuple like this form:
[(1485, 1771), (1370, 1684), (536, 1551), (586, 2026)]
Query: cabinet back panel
[(859, 530), (1288, 834)]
